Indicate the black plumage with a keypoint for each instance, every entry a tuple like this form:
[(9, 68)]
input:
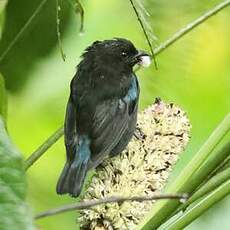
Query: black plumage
[(101, 112)]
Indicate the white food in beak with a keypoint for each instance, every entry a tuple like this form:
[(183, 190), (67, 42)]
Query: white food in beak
[(145, 61)]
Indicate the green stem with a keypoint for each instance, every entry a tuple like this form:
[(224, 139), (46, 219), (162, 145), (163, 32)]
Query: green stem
[(215, 159), (212, 184), (144, 31), (93, 202), (191, 26), (209, 167), (58, 30), (79, 8), (202, 206), (200, 177), (43, 148), (183, 182), (183, 31), (223, 165)]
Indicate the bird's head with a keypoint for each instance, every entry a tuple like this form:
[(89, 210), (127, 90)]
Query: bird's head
[(116, 54)]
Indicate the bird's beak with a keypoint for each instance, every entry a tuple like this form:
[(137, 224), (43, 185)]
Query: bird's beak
[(142, 58)]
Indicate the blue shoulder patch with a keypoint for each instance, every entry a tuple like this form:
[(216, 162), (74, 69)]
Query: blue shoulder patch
[(132, 94)]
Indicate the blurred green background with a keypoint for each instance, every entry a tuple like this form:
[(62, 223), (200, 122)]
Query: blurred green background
[(193, 73)]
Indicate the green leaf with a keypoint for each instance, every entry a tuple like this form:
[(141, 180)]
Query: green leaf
[(3, 98), (29, 34), (14, 212), (203, 205), (209, 186)]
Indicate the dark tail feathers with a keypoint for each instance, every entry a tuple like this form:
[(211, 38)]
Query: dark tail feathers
[(73, 175)]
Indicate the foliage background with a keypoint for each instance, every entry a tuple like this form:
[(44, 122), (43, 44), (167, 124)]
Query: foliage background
[(194, 73)]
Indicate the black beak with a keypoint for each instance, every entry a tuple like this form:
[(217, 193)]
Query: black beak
[(137, 58), (141, 53)]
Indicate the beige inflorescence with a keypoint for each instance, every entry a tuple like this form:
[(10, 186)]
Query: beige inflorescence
[(142, 169)]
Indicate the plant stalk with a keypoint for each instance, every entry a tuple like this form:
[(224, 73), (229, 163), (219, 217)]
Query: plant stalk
[(90, 203), (43, 148), (212, 184), (202, 206)]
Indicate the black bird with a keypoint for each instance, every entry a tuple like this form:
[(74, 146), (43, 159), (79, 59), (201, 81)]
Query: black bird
[(101, 112)]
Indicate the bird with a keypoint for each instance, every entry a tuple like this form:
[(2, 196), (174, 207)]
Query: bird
[(101, 112)]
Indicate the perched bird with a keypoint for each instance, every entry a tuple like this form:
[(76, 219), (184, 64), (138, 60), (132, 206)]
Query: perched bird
[(101, 112)]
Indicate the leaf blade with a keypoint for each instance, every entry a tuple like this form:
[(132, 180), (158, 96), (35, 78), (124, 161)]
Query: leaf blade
[(14, 213)]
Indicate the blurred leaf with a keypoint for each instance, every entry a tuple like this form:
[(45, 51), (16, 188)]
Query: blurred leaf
[(3, 98), (2, 5), (14, 213), (35, 40)]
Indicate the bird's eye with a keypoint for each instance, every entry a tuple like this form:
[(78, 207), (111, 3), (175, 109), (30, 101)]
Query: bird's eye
[(124, 54)]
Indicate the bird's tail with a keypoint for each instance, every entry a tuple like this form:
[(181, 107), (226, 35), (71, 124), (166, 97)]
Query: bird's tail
[(73, 175)]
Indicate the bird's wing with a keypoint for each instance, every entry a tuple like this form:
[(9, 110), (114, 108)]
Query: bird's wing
[(111, 119), (70, 129)]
